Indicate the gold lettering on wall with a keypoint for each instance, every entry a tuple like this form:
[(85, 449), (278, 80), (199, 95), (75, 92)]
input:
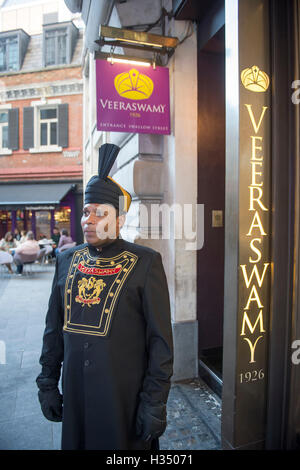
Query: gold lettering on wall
[(253, 275)]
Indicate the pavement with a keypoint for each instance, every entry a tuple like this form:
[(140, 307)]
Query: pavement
[(194, 411)]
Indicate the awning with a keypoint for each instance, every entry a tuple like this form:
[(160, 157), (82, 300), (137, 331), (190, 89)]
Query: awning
[(22, 196)]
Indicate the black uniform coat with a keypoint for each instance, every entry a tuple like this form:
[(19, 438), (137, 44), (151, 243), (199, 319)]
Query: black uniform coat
[(108, 322)]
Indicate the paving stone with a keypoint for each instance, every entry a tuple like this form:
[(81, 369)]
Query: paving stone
[(7, 405), (31, 432), (56, 431), (27, 403), (193, 409)]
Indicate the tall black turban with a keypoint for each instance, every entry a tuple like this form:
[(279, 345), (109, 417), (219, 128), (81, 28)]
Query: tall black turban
[(102, 189)]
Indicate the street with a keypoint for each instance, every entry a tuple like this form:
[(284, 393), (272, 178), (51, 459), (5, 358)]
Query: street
[(194, 411)]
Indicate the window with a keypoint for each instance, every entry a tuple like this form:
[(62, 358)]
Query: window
[(59, 42), (48, 126), (56, 46), (13, 47), (9, 54), (4, 129)]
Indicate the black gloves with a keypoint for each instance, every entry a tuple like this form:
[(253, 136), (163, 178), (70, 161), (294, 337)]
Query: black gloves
[(151, 421), (51, 404)]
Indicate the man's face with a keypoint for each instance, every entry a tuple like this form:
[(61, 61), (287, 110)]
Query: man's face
[(100, 223)]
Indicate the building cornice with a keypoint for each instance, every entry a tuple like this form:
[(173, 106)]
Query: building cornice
[(41, 173), (41, 90)]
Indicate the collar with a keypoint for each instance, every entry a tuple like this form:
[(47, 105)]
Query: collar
[(109, 248)]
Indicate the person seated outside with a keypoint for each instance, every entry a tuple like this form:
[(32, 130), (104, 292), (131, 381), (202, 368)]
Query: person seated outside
[(7, 244), (45, 244), (26, 252), (55, 237), (17, 234), (65, 241), (23, 236)]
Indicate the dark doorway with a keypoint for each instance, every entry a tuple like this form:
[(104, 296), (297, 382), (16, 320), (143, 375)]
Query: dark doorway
[(211, 193)]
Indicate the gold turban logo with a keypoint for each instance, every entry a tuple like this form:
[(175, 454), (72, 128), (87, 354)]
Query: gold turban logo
[(255, 79), (134, 85)]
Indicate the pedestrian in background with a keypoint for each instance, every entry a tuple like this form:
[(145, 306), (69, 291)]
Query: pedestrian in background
[(8, 242), (55, 238), (23, 236), (17, 234), (64, 240)]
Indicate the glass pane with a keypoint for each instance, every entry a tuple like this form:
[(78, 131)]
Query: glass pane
[(42, 221), (50, 51), (2, 56), (50, 33), (3, 116), (62, 50), (13, 54), (44, 134), (53, 133), (48, 113), (56, 32), (56, 46), (5, 137)]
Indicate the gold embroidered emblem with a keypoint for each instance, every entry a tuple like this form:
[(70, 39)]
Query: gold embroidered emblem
[(88, 278), (89, 291)]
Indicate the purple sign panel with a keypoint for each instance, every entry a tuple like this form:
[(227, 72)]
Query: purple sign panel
[(132, 98)]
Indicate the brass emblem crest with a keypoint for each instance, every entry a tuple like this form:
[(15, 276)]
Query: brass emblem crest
[(134, 85), (255, 79), (89, 291)]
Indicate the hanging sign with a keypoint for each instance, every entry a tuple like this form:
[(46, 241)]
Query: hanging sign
[(132, 98)]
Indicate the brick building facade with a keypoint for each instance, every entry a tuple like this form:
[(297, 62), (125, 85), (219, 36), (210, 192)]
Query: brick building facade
[(41, 129)]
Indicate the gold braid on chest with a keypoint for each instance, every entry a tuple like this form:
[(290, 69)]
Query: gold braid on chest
[(92, 290)]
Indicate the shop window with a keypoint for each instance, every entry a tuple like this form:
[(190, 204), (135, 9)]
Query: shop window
[(4, 219), (62, 218), (42, 221)]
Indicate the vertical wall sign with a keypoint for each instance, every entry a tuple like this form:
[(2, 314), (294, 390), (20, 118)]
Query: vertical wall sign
[(253, 263), (132, 98), (254, 251)]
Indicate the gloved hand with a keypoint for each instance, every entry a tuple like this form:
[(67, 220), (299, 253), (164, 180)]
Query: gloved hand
[(151, 421), (51, 404)]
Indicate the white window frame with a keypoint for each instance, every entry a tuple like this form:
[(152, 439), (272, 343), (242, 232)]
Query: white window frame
[(38, 105), (6, 39), (48, 122), (59, 31), (4, 150)]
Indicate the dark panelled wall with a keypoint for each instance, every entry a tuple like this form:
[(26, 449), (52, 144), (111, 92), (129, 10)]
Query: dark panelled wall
[(211, 190), (283, 420)]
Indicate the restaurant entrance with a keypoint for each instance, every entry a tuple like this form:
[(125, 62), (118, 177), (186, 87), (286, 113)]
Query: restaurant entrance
[(211, 193)]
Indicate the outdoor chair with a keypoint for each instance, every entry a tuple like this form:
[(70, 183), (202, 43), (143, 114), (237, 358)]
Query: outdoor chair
[(3, 270), (41, 256), (28, 262)]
